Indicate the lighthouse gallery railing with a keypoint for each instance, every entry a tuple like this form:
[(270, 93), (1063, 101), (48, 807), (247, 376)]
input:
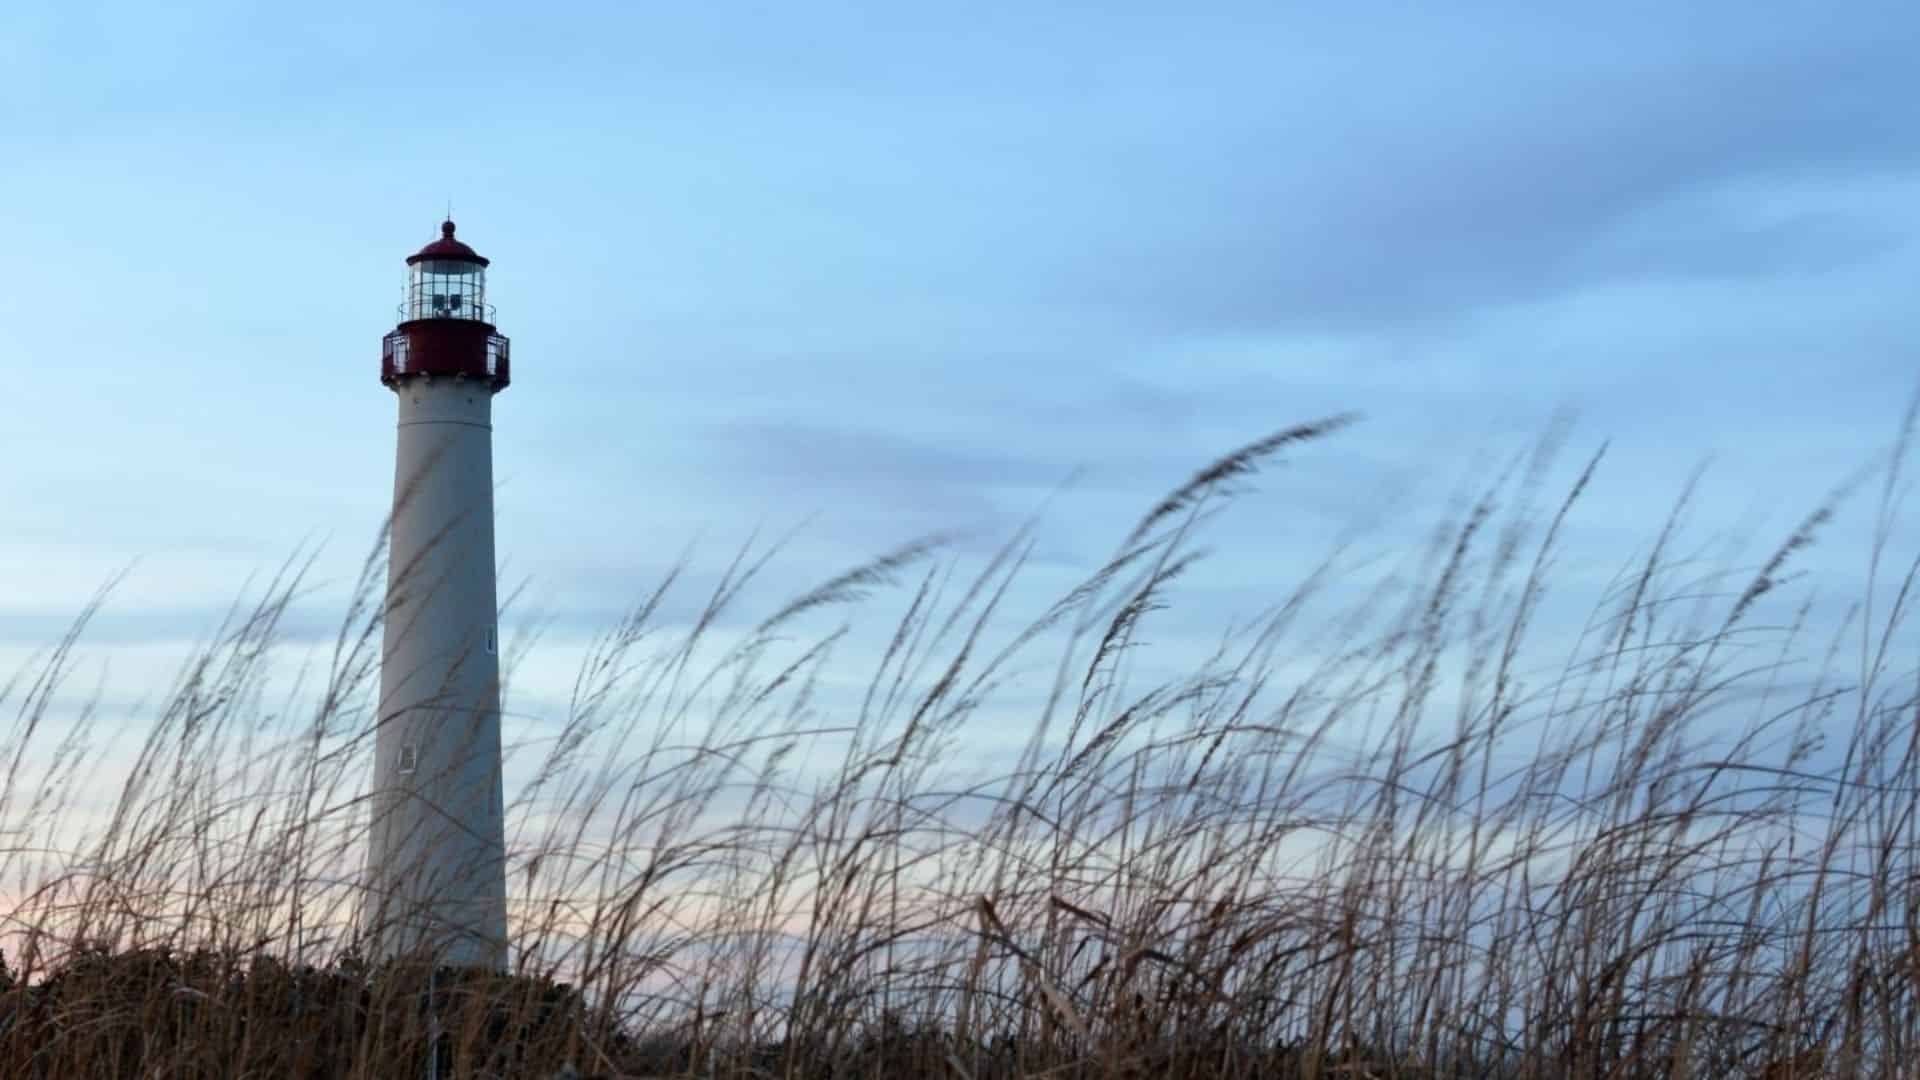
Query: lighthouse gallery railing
[(396, 357)]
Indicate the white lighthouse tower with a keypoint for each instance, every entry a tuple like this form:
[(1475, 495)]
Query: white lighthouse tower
[(435, 867)]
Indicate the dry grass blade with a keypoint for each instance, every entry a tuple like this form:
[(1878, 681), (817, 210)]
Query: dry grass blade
[(1241, 462), (853, 585)]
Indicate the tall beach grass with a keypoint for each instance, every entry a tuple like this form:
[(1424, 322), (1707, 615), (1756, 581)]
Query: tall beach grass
[(1396, 830)]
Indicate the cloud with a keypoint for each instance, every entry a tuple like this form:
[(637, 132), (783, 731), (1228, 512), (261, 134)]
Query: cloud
[(1411, 199), (859, 470)]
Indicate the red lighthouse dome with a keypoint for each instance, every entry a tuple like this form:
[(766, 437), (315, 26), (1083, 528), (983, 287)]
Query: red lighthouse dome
[(446, 325), (447, 248)]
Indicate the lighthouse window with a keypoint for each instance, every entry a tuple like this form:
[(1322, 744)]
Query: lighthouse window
[(493, 641), (445, 289), (409, 759)]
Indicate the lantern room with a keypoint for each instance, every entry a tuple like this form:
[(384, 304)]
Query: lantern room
[(446, 325), (447, 280)]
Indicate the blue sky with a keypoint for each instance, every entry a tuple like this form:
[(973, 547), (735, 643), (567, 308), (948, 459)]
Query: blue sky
[(891, 268)]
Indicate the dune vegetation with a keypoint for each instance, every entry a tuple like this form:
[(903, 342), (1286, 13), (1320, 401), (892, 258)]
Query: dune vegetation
[(1388, 828)]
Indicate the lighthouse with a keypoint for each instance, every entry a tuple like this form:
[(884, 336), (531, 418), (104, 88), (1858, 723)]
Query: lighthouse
[(436, 859)]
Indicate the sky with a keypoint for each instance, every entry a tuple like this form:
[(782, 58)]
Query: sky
[(868, 271)]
